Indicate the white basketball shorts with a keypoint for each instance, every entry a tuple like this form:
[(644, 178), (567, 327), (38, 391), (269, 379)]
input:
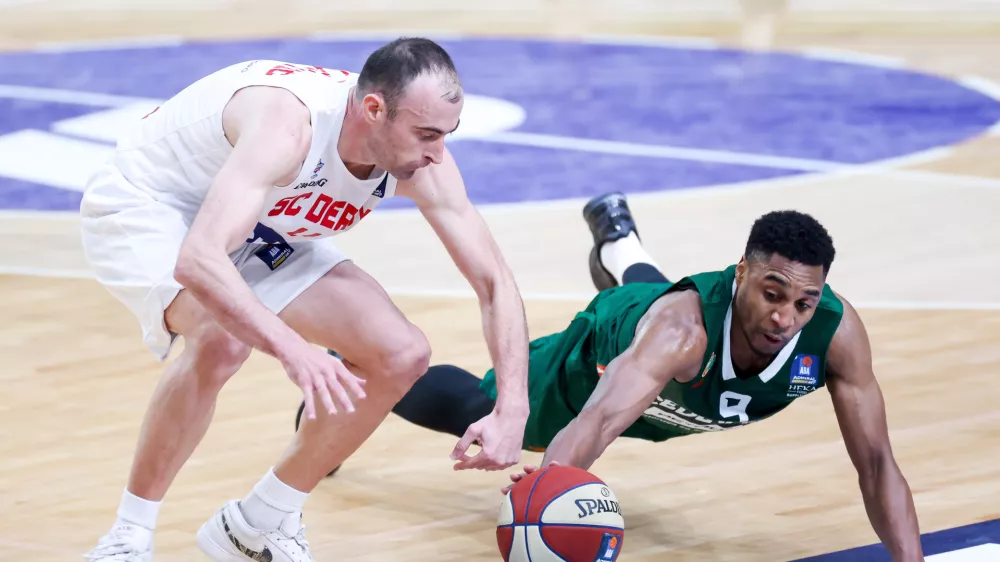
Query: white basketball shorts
[(131, 241)]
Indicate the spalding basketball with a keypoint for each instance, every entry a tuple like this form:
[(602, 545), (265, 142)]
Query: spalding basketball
[(560, 514)]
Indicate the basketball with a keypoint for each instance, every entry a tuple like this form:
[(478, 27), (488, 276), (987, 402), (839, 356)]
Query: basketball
[(560, 514)]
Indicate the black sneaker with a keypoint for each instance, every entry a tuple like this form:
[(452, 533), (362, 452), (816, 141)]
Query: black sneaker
[(609, 219), (302, 408)]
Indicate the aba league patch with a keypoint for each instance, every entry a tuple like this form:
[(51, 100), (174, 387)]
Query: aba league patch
[(610, 546), (804, 375)]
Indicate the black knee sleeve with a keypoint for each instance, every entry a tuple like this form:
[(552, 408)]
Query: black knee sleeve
[(445, 399), (642, 273)]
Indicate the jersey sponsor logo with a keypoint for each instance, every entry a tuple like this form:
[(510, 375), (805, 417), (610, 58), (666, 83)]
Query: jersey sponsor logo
[(274, 254), (708, 366), (315, 183), (669, 412), (380, 190), (316, 170), (804, 376)]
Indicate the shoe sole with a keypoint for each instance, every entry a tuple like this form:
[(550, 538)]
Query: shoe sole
[(600, 276)]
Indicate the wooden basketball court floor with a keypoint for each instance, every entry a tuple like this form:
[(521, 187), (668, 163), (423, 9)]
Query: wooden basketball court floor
[(918, 251)]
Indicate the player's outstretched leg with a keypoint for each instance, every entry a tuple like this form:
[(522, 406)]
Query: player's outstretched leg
[(446, 399), (617, 257)]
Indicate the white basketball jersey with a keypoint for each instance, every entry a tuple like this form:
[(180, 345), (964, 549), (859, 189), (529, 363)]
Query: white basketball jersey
[(174, 153)]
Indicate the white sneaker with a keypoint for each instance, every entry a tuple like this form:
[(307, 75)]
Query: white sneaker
[(227, 537), (124, 543)]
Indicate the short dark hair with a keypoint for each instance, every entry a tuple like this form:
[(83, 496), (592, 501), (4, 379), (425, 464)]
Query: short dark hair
[(390, 69), (795, 236)]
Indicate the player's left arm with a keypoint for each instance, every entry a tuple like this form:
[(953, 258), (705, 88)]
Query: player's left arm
[(439, 192), (858, 402)]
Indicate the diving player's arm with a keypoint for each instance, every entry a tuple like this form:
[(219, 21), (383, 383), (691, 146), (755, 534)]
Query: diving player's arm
[(270, 132), (860, 410), (439, 192), (669, 344)]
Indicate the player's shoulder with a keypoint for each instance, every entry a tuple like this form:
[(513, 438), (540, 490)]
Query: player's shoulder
[(262, 100), (679, 310), (675, 326), (850, 343), (274, 112)]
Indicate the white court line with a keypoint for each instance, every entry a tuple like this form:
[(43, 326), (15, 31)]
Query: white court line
[(383, 34), (418, 292), (982, 85), (585, 297), (661, 151), (74, 97), (652, 41), (852, 57), (121, 43)]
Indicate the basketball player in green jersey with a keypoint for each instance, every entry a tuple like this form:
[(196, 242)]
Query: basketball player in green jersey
[(655, 360)]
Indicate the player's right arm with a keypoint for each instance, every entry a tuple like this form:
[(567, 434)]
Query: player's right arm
[(270, 132), (669, 344)]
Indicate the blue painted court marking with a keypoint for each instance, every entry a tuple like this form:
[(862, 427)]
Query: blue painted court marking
[(979, 542), (597, 116)]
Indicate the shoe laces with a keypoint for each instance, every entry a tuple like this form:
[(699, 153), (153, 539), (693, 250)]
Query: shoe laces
[(116, 545), (299, 538)]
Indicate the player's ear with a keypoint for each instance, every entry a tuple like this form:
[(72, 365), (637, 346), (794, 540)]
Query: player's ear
[(373, 107), (741, 270)]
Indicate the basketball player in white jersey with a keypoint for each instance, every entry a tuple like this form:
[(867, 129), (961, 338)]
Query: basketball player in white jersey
[(210, 222)]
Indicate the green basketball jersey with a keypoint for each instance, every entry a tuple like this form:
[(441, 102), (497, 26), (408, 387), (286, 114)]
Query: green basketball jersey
[(716, 398)]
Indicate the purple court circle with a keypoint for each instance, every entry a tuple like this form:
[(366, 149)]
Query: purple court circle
[(598, 116)]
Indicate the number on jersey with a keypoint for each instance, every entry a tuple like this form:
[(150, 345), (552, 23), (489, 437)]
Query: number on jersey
[(733, 404)]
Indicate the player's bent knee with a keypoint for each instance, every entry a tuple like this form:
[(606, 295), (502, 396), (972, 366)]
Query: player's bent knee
[(407, 359), (218, 355)]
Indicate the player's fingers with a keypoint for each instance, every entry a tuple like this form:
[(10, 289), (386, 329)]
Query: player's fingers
[(506, 489), (356, 384), (339, 392), (477, 462), (324, 396), (310, 409), (465, 442)]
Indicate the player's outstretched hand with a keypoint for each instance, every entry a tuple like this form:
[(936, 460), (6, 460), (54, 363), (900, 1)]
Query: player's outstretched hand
[(313, 370), (500, 437), (517, 477)]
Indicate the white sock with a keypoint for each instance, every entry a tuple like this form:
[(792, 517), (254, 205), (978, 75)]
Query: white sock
[(270, 502), (619, 255), (137, 511)]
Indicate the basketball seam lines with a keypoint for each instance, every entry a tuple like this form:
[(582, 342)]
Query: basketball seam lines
[(527, 510)]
